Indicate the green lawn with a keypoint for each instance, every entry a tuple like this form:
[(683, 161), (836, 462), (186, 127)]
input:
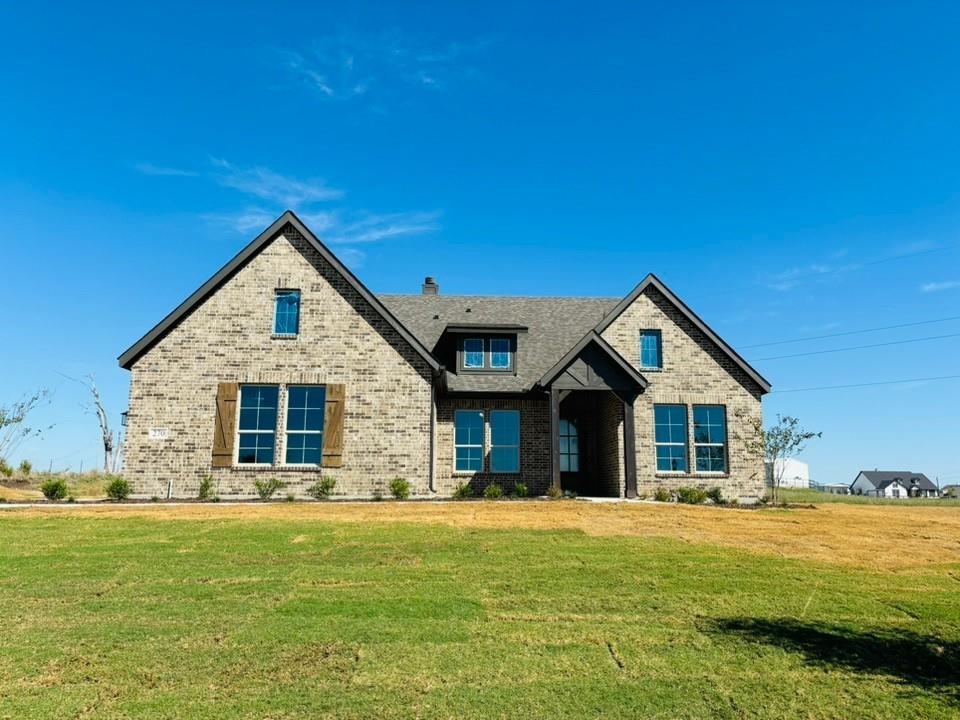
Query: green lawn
[(809, 495), (225, 618)]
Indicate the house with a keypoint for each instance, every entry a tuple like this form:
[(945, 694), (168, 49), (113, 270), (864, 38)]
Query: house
[(950, 491), (792, 473), (893, 484), (834, 488), (283, 364)]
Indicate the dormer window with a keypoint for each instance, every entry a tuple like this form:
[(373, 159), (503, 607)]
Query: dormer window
[(487, 353)]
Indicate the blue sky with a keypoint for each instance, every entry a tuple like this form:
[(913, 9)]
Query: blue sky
[(788, 171)]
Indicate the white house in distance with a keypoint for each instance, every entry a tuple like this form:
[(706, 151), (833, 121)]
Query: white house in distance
[(796, 474), (893, 484)]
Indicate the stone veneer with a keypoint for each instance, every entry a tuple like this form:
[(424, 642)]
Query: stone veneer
[(694, 371), (228, 338)]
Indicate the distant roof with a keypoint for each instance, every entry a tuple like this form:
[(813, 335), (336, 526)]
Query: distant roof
[(554, 325), (882, 478)]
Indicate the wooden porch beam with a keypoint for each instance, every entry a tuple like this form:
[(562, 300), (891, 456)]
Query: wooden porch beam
[(629, 449)]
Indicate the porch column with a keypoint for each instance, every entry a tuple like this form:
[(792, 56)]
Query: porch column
[(629, 448), (555, 438)]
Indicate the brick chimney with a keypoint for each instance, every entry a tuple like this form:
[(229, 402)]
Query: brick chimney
[(430, 286)]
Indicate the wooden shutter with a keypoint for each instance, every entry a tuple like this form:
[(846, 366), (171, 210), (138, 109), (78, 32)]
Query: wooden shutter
[(333, 426), (224, 424)]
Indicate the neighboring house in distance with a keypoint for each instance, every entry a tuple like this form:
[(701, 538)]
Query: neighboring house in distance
[(893, 484), (950, 491), (796, 474), (285, 365)]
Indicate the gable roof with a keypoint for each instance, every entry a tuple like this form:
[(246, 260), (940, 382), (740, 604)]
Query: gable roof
[(882, 478), (130, 356), (553, 326), (654, 281), (593, 338)]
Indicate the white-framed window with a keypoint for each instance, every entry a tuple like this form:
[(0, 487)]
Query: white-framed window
[(473, 353), (505, 441), (257, 424), (670, 437), (710, 438), (468, 440), (304, 430), (651, 349), (569, 446), (500, 353)]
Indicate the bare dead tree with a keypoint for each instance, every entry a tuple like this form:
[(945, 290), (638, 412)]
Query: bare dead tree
[(111, 444), (13, 419)]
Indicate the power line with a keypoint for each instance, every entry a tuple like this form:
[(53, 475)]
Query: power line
[(858, 347), (869, 384), (851, 332)]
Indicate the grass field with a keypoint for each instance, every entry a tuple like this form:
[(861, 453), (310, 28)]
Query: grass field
[(470, 610), (809, 495)]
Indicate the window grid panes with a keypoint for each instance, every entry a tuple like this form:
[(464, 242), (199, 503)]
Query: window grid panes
[(650, 355), (670, 431), (710, 438), (468, 440), (257, 424), (305, 408), (500, 353), (569, 447), (473, 353), (286, 319), (505, 441)]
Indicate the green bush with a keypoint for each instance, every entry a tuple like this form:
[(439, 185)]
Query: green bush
[(662, 495), (521, 490), (554, 493), (71, 499), (691, 495), (462, 491), (118, 489), (493, 491), (267, 488), (26, 467), (154, 498), (291, 497), (5, 468), (322, 488), (54, 489), (377, 496), (400, 488), (205, 491), (716, 495)]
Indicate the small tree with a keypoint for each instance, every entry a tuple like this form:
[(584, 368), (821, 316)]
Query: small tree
[(112, 445), (13, 422), (777, 444)]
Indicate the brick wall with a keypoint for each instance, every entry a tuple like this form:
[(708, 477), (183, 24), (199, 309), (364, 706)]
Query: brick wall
[(227, 338), (609, 427), (534, 445), (694, 372)]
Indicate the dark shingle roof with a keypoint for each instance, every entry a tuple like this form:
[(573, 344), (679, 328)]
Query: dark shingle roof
[(882, 478), (554, 325)]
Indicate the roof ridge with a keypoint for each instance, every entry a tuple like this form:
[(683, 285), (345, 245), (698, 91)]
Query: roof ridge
[(502, 297)]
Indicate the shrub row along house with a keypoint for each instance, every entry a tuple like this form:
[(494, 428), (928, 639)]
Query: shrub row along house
[(285, 365)]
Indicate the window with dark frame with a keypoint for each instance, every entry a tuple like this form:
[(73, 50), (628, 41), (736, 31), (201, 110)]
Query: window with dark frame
[(473, 354), (505, 441), (304, 430), (710, 438), (670, 437), (286, 314), (651, 350), (257, 424), (487, 353), (569, 447)]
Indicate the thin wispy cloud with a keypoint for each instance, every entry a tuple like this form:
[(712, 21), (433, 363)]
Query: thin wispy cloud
[(161, 171), (933, 287), (349, 65), (272, 186)]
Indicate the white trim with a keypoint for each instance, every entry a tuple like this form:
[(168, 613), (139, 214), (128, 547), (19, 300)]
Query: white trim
[(482, 446)]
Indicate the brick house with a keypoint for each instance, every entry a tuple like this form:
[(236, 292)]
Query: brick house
[(285, 365)]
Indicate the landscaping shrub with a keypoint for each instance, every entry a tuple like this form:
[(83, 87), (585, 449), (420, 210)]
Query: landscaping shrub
[(716, 495), (493, 491), (54, 489), (205, 491), (377, 496), (154, 498), (521, 490), (554, 493), (71, 499), (462, 491), (322, 488), (26, 467), (5, 468), (266, 488), (118, 489), (569, 495), (662, 495), (291, 497), (400, 488), (691, 495)]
